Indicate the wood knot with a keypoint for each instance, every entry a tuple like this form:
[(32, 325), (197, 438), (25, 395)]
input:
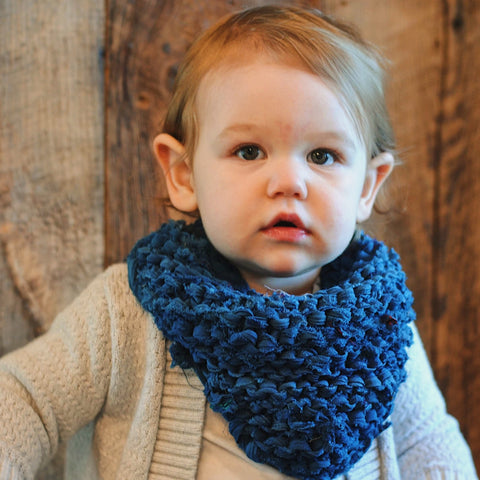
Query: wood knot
[(458, 22)]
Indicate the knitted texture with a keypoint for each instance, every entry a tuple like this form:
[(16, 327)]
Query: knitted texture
[(305, 382)]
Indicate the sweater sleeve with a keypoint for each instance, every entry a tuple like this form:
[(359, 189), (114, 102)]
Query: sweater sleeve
[(55, 385), (428, 440)]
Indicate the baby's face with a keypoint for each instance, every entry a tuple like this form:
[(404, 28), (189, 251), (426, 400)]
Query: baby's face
[(278, 173)]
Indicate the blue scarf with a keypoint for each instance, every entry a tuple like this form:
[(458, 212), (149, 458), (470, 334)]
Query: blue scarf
[(305, 382)]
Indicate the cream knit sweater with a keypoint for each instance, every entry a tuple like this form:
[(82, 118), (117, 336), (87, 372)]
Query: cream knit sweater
[(100, 380)]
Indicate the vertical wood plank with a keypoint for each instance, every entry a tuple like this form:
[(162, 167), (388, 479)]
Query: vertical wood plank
[(457, 229), (51, 163), (51, 149), (51, 174)]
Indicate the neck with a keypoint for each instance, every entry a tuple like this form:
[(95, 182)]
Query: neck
[(296, 285)]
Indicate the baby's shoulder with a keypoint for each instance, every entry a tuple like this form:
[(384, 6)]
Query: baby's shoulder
[(124, 308), (108, 307)]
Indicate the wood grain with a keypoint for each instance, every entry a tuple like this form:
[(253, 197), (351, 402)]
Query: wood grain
[(51, 169), (457, 227), (51, 173)]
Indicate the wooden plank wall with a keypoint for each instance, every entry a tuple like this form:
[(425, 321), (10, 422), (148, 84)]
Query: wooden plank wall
[(51, 160), (83, 89)]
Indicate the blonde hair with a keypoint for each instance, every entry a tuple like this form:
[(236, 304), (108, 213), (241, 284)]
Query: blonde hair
[(325, 47)]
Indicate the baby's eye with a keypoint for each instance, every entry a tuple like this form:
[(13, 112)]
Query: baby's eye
[(321, 156), (249, 152)]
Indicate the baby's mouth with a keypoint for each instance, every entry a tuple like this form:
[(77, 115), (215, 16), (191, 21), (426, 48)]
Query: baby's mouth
[(286, 224), (286, 228), (287, 220)]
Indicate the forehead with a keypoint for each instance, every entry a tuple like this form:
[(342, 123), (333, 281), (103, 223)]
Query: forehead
[(265, 92)]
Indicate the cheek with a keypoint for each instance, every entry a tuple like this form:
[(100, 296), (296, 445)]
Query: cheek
[(337, 211), (220, 230), (215, 208), (212, 203), (219, 192)]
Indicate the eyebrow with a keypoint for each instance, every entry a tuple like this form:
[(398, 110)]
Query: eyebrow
[(237, 127), (336, 135)]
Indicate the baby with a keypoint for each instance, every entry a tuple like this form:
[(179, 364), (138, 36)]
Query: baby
[(270, 338)]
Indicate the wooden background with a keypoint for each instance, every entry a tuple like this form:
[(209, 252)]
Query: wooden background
[(83, 89)]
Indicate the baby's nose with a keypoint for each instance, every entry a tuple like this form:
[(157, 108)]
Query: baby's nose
[(287, 178)]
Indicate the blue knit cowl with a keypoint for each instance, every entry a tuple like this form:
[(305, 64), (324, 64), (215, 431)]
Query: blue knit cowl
[(305, 382)]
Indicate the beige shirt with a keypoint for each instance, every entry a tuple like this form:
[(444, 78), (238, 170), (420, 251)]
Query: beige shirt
[(222, 459)]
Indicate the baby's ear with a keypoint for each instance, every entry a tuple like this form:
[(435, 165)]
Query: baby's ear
[(378, 169), (172, 157)]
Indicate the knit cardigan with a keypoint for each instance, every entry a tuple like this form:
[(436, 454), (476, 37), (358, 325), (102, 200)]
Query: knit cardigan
[(99, 383)]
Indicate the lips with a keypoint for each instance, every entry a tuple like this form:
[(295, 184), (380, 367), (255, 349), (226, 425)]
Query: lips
[(286, 227), (286, 220)]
